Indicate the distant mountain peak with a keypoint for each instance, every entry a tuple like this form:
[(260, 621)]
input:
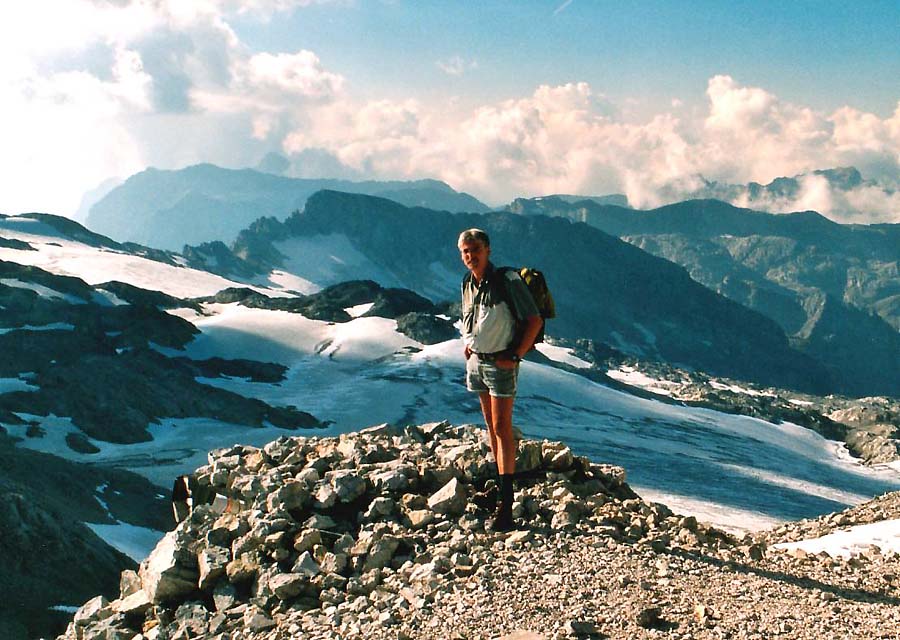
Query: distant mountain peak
[(169, 209)]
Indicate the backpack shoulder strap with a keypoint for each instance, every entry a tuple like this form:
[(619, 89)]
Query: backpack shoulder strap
[(502, 287)]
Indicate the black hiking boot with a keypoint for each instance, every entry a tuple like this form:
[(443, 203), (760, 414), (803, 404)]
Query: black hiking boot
[(486, 500), (503, 518)]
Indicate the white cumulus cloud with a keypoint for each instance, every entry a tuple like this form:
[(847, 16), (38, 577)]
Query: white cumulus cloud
[(569, 139), (110, 86)]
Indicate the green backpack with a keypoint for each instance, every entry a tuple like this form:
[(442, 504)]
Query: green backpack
[(540, 292)]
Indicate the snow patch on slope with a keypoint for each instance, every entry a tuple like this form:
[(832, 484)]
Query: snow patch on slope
[(324, 260), (633, 377), (852, 541), (41, 290), (95, 265)]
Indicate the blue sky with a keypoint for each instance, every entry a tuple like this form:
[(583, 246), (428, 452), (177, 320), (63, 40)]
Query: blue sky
[(823, 54), (499, 99)]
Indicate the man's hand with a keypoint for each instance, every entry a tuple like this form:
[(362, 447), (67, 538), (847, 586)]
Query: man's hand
[(467, 351)]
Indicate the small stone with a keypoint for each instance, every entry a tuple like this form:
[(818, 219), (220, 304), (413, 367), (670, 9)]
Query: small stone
[(135, 604), (255, 619), (306, 565), (449, 499), (517, 538), (242, 569), (193, 618), (704, 613), (224, 596), (326, 497), (381, 552), (755, 551), (581, 628), (379, 508), (129, 583), (662, 568), (386, 619), (320, 521), (420, 518), (348, 485), (649, 617), (287, 586), (94, 609), (307, 539), (170, 571), (212, 562)]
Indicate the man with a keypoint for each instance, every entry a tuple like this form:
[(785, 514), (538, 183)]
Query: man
[(493, 349)]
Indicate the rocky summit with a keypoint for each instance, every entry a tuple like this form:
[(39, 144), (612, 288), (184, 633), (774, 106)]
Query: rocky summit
[(381, 534)]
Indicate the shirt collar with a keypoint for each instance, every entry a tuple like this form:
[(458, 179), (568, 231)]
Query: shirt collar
[(488, 273)]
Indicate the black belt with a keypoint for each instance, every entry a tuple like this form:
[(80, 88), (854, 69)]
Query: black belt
[(491, 356)]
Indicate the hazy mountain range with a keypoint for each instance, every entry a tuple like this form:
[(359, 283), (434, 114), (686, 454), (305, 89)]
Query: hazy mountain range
[(782, 191), (168, 209), (842, 194)]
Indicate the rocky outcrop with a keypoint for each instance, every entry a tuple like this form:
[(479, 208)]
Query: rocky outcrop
[(380, 535), (320, 526), (115, 396), (417, 317), (97, 363), (426, 328), (19, 245)]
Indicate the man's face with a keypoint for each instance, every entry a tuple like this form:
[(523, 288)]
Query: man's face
[(475, 256)]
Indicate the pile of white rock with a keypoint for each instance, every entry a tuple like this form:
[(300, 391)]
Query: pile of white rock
[(350, 536)]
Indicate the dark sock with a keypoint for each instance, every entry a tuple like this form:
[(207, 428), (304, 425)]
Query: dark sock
[(506, 489)]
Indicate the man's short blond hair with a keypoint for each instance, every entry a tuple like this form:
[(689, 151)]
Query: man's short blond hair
[(473, 235)]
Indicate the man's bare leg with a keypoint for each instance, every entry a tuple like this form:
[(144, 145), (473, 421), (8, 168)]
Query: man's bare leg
[(505, 452), (488, 413)]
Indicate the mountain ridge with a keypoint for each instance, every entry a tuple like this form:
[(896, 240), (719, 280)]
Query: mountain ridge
[(786, 266), (637, 300), (167, 209)]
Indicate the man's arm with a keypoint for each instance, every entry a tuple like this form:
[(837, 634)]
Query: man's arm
[(532, 327)]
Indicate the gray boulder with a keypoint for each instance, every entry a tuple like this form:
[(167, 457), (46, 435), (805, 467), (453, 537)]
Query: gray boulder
[(170, 571), (449, 499)]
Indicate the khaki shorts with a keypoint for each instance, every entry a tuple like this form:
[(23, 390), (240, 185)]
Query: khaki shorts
[(483, 375)]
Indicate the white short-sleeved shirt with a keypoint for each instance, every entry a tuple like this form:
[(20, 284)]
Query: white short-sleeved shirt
[(489, 325)]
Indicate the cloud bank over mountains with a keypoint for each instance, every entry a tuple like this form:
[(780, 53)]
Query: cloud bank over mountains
[(120, 85)]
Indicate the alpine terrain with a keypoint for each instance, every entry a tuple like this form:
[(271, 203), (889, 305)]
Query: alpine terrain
[(672, 440)]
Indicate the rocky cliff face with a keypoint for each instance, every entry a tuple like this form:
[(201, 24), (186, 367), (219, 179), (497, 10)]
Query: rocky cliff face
[(380, 534)]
